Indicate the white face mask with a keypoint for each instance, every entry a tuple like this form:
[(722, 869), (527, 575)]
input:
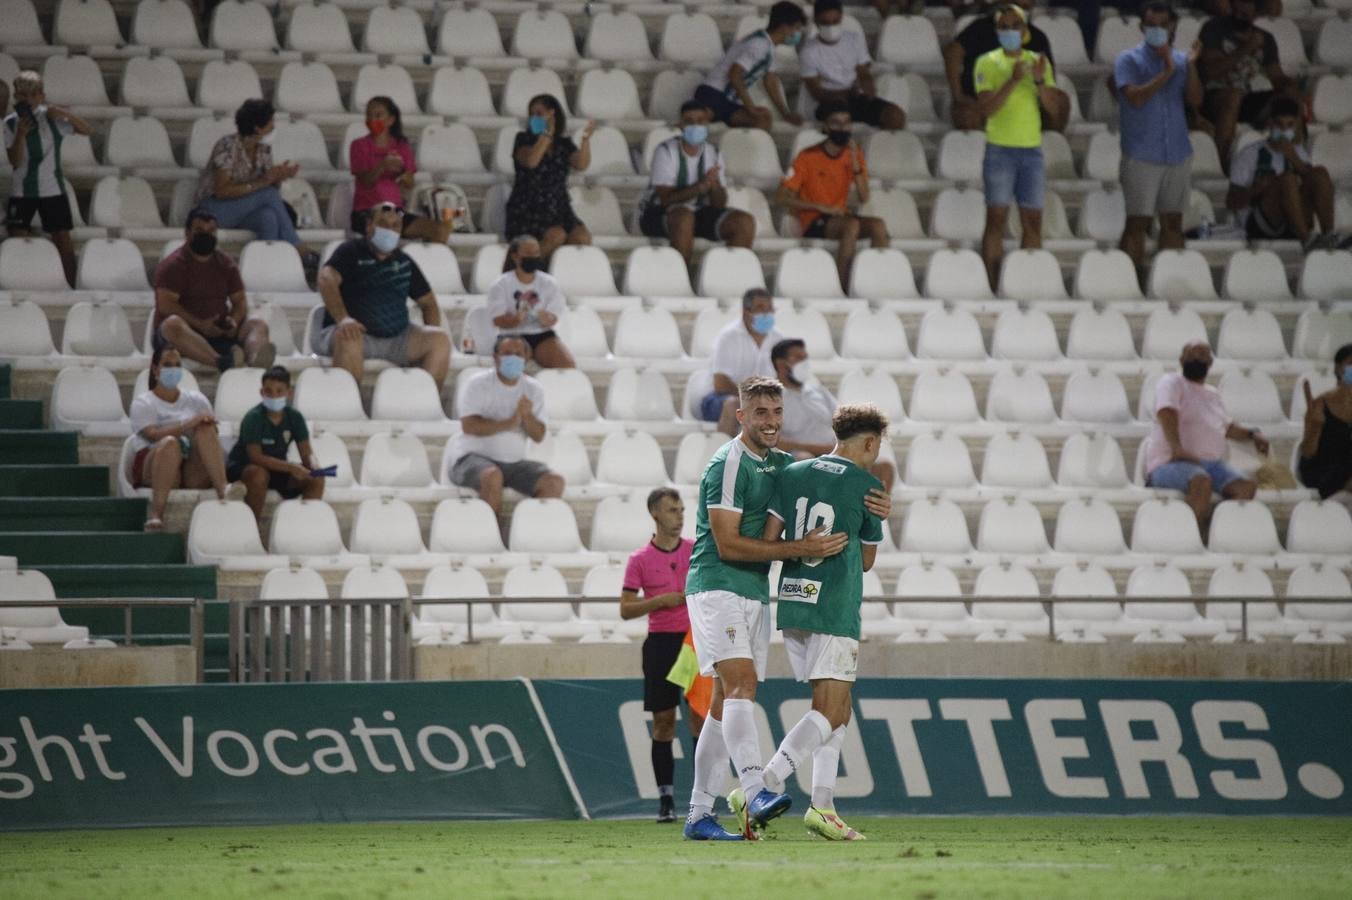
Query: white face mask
[(830, 33), (801, 371)]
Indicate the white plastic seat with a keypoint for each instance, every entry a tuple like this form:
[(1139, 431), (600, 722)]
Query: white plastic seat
[(33, 624), (543, 34), (470, 32), (165, 25), (460, 92), (111, 265), (1031, 275), (1313, 581), (23, 326), (1165, 526), (960, 156), (272, 267), (598, 207), (939, 460), (694, 453), (749, 153), (223, 82), (897, 209), (522, 84), (670, 88), (547, 620), (934, 525), (1239, 580), (958, 214), (308, 87), (293, 583), (225, 533), (949, 334), (620, 525), (873, 335), (807, 272), (928, 620), (449, 148), (911, 92), (395, 461), (319, 28), (1011, 525), (896, 155), (1015, 460), (97, 329), (156, 82), (1066, 40), (1161, 620), (391, 81), (86, 399), (1333, 47), (407, 395), (1085, 580), (242, 27), (1168, 330), (328, 395), (910, 41), (464, 525), (1106, 275), (22, 28), (583, 333), (307, 531), (1103, 159), (236, 393), (1181, 275), (203, 137), (876, 387), (1250, 335), (943, 396), (543, 526), (1257, 276), (1244, 527), (1000, 621), (1091, 460), (1024, 334), (387, 529), (1251, 396), (1097, 397), (438, 265), (691, 38), (1101, 335), (85, 23), (957, 275), (31, 264), (1019, 396), (729, 272), (1088, 525), (124, 202), (1103, 214), (393, 31), (303, 143), (1326, 275), (647, 334), (632, 459), (882, 274), (76, 81), (458, 583), (617, 37), (141, 142), (1321, 527), (583, 271)]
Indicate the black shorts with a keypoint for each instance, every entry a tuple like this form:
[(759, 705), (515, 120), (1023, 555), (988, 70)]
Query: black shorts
[(718, 103), (53, 211), (708, 219), (358, 220), (1252, 109), (866, 109), (1258, 228), (818, 227), (280, 482), (535, 340), (222, 345), (660, 650)]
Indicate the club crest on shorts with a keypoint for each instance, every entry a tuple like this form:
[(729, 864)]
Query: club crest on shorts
[(731, 632)]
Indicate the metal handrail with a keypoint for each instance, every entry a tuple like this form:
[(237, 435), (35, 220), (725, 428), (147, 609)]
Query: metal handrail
[(196, 616), (295, 655)]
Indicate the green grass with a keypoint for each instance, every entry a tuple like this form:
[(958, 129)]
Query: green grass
[(904, 858)]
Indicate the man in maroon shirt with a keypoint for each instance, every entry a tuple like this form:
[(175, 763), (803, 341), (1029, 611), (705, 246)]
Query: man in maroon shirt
[(200, 306)]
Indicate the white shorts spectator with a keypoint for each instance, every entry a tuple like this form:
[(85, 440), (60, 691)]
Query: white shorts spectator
[(727, 626), (813, 655)]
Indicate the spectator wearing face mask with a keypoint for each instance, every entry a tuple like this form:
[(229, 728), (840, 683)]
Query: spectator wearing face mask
[(201, 307), (835, 66), (973, 42), (808, 409), (1156, 82), (544, 156), (688, 196), (1186, 449), (741, 350), (1235, 53), (727, 89), (526, 301), (1276, 189), (1326, 446), (259, 456), (382, 165), (501, 410)]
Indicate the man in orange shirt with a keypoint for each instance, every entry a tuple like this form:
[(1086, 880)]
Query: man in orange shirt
[(818, 189)]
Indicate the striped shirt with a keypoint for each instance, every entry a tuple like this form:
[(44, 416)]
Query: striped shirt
[(39, 175), (755, 53)]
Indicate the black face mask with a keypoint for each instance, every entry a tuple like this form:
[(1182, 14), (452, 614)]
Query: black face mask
[(531, 264), (1195, 369), (840, 137), (202, 243)]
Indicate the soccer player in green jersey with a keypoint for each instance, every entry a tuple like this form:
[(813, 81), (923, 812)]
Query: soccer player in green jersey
[(727, 597), (819, 601)]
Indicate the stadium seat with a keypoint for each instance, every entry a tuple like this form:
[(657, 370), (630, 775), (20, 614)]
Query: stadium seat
[(460, 92), (877, 387), (320, 29), (395, 31), (935, 525), (547, 620), (33, 624), (407, 396), (242, 27), (957, 275), (391, 81), (328, 395), (1015, 460), (1333, 151), (1031, 275), (293, 583), (1167, 330), (224, 533), (1181, 275), (543, 526), (808, 324), (693, 454), (1326, 275), (303, 143), (620, 525), (140, 143), (23, 326), (1103, 215), (896, 207), (272, 267), (583, 271), (925, 620), (882, 274), (307, 531), (1243, 527), (958, 214), (873, 335), (1106, 275), (749, 154), (387, 529), (203, 137), (395, 460), (949, 335), (910, 42), (438, 265), (752, 201), (1235, 579), (1333, 46), (1024, 334), (1095, 396), (690, 38), (75, 81), (543, 35), (1160, 622), (157, 83), (960, 156), (669, 90), (236, 393), (1322, 527), (656, 272), (111, 265), (911, 92), (631, 458), (1066, 40), (85, 23), (896, 155), (943, 396), (223, 82), (97, 329), (1257, 276), (938, 460), (1251, 396), (1250, 334), (465, 525), (1019, 396), (1006, 621), (647, 334), (470, 32), (22, 28), (617, 37), (30, 264), (1091, 460), (308, 87), (1165, 525), (1011, 525), (729, 272), (598, 207), (1088, 525), (165, 25), (1318, 581), (86, 399), (126, 203), (1103, 159), (807, 272), (450, 149)]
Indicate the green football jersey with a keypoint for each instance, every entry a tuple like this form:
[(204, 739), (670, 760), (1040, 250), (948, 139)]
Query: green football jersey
[(739, 480), (824, 595)]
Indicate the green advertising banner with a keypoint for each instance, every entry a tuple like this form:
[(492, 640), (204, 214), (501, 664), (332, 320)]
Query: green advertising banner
[(230, 754), (930, 746)]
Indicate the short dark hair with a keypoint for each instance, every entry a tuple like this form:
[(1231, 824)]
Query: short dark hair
[(695, 106), (560, 117), (198, 214), (758, 386), (1343, 355), (1159, 6), (781, 350), (252, 115), (785, 13), (277, 373), (826, 6), (828, 108), (1282, 105), (657, 495), (753, 294), (503, 338), (853, 419)]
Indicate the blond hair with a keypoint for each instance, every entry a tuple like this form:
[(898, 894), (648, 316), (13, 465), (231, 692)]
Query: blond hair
[(27, 81)]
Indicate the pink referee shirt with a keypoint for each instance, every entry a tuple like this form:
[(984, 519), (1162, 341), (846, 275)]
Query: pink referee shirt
[(1202, 421), (653, 571)]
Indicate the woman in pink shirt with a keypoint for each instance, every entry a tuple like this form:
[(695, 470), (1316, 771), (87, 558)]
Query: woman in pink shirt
[(382, 163)]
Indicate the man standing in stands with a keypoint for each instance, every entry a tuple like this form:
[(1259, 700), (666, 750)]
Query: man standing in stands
[(658, 572), (726, 90), (818, 188), (366, 285), (1155, 84), (835, 66), (741, 350), (1186, 449), (960, 56), (688, 196), (500, 410), (33, 134), (201, 307)]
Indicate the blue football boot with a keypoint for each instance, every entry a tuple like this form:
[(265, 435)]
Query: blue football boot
[(706, 828)]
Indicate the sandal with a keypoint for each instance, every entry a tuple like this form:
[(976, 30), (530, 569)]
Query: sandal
[(154, 524)]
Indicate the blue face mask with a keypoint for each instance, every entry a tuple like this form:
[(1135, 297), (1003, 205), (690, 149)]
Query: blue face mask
[(794, 39), (511, 367), (537, 124), (1010, 40), (385, 240), (1347, 375), (763, 323), (1156, 36), (170, 376), (695, 135), (274, 404)]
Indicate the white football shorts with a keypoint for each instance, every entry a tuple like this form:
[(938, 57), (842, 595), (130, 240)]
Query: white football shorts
[(813, 655), (728, 626)]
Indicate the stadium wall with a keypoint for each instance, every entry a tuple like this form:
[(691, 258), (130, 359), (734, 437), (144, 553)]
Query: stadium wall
[(556, 749)]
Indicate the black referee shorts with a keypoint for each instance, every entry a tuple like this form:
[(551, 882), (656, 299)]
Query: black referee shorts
[(660, 651)]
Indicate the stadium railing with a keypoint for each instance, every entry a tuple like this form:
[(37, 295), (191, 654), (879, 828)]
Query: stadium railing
[(321, 640)]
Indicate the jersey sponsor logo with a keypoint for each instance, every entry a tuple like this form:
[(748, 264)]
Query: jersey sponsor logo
[(800, 590), (826, 465)]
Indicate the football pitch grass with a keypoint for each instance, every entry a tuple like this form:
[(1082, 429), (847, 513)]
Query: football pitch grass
[(903, 858)]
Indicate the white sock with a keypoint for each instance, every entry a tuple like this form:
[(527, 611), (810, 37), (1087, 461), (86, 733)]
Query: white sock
[(711, 768), (825, 764), (739, 731), (811, 732)]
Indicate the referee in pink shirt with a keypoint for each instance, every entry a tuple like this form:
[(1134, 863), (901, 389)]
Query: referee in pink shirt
[(657, 572)]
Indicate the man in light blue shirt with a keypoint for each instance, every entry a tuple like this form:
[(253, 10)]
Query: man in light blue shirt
[(1155, 83)]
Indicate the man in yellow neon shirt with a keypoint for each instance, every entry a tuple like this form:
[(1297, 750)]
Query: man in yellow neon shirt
[(1013, 87)]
